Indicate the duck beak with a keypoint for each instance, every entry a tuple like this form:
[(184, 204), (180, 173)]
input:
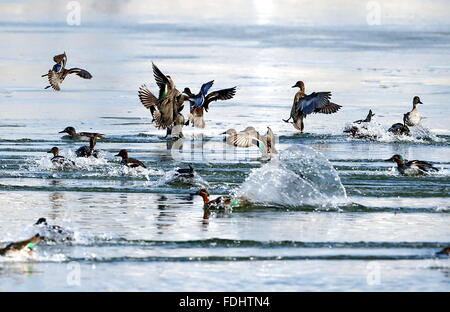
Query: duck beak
[(390, 159), (293, 86), (117, 154), (64, 131), (49, 152), (420, 102)]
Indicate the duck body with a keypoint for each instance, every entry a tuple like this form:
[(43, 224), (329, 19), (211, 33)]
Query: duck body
[(222, 202), (358, 127), (128, 161), (413, 117), (58, 73), (399, 129), (412, 167), (87, 151), (60, 161), (22, 246), (54, 233), (303, 105)]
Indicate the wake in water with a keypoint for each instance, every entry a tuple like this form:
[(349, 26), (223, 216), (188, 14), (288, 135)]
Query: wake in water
[(300, 176)]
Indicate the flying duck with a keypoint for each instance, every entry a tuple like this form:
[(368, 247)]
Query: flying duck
[(52, 232), (316, 102), (166, 108), (77, 135), (413, 167), (26, 245), (60, 160), (87, 151), (128, 161), (58, 73), (200, 102), (413, 118)]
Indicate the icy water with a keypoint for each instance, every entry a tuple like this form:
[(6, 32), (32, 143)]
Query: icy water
[(357, 225)]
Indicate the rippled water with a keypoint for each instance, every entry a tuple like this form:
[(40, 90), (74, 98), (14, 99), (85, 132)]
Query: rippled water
[(330, 214)]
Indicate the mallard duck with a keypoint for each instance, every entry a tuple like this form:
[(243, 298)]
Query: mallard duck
[(250, 137), (75, 135), (58, 73), (221, 203), (399, 129), (165, 109), (128, 161), (316, 102), (200, 102), (52, 232), (413, 167), (413, 118), (60, 160), (87, 151), (15, 247)]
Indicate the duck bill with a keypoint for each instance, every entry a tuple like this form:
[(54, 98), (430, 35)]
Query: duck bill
[(390, 159), (64, 131), (293, 86), (420, 102), (49, 152), (117, 155)]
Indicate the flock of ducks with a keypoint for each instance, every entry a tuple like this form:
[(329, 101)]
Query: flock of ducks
[(166, 110)]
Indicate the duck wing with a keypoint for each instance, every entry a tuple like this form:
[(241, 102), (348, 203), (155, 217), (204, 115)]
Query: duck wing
[(224, 94), (317, 102), (80, 72), (55, 79), (161, 81), (133, 163), (422, 165)]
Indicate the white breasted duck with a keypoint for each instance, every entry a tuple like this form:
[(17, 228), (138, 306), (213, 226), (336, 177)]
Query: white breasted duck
[(413, 117), (60, 160), (53, 232), (412, 167)]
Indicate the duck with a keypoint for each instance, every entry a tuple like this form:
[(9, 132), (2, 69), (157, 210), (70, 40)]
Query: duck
[(199, 103), (26, 245), (185, 172), (224, 202), (166, 108), (413, 167), (368, 118), (316, 102), (399, 129), (58, 73), (358, 125), (81, 135), (251, 137), (444, 252), (128, 161), (88, 151), (60, 160), (413, 118), (52, 232)]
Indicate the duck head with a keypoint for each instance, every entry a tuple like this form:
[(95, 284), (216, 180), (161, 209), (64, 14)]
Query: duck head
[(69, 131), (204, 194), (370, 115), (416, 100), (123, 153), (299, 84), (188, 92), (41, 221), (54, 151), (397, 158)]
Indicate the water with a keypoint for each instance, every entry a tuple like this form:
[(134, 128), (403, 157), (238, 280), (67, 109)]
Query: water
[(353, 224)]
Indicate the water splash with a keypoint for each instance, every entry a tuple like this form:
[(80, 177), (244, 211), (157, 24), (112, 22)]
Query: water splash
[(300, 176)]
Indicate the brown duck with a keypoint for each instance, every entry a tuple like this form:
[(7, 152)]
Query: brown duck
[(316, 102), (128, 161), (58, 73), (26, 245)]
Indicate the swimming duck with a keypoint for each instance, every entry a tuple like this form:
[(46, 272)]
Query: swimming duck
[(445, 251), (355, 130), (368, 118), (316, 102), (168, 106), (128, 161), (200, 102), (25, 245), (60, 160), (186, 172), (52, 232), (221, 202), (87, 151), (413, 118), (251, 137), (399, 129), (75, 135), (413, 167), (58, 73)]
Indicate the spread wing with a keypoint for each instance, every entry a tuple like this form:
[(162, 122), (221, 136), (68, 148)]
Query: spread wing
[(161, 81), (224, 94), (150, 102), (315, 101), (206, 86), (330, 108), (55, 79), (80, 73)]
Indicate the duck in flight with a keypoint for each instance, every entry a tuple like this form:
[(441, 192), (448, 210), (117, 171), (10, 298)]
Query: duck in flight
[(166, 108), (412, 167), (316, 102), (58, 73), (413, 117), (199, 103)]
